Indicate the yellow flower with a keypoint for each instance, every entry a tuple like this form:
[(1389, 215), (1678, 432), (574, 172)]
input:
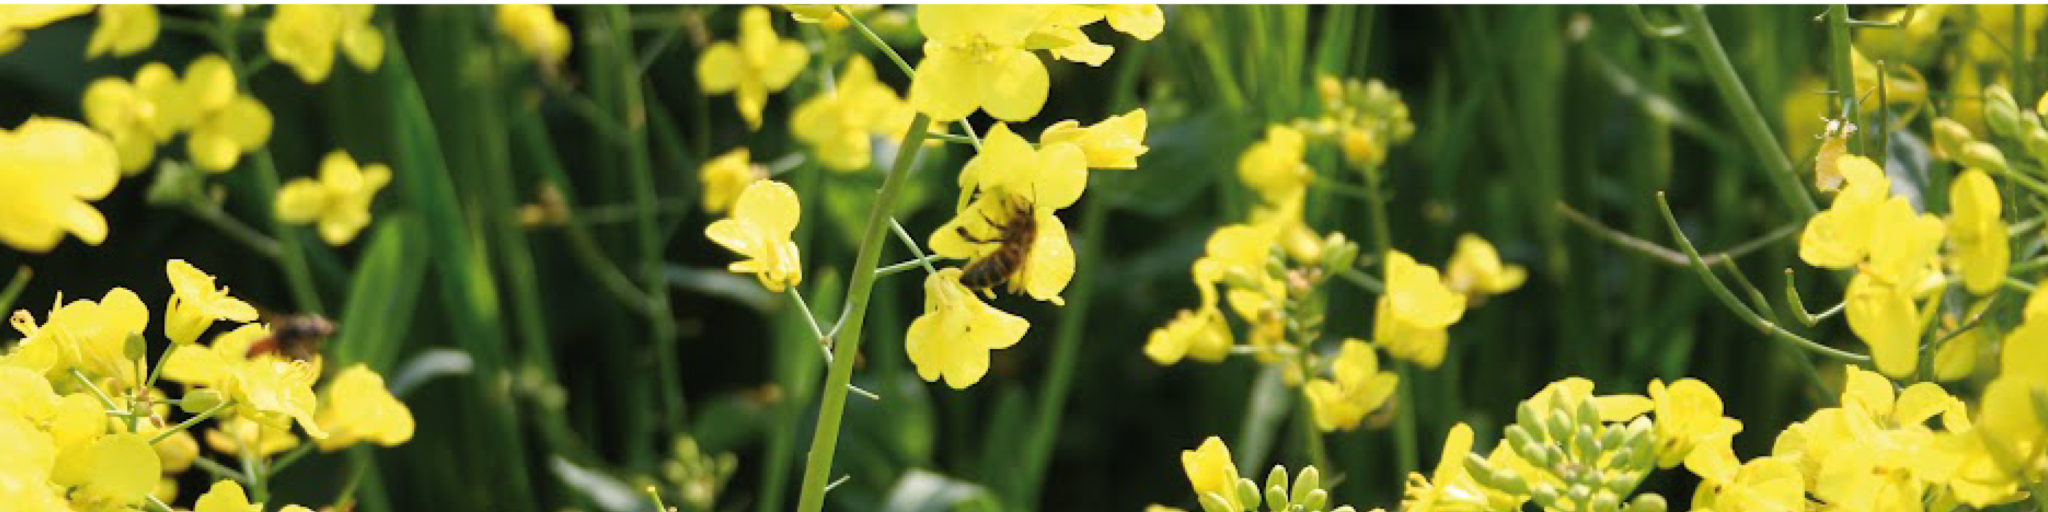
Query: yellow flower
[(2012, 416), (339, 201), (195, 304), (16, 19), (1142, 21), (1839, 237), (1200, 334), (1415, 310), (1211, 472), (235, 434), (29, 395), (1450, 487), (221, 135), (761, 63), (25, 471), (725, 177), (1957, 359), (54, 167), (1060, 33), (1886, 319), (1406, 340), (759, 229), (304, 37), (975, 59), (225, 496), (274, 392), (1476, 270), (1764, 484), (356, 408), (212, 365), (90, 336), (122, 468), (1274, 166), (1688, 415), (1359, 389), (838, 125), (176, 451), (141, 114), (1566, 394), (956, 332), (1904, 246), (1114, 143), (1914, 43), (534, 28), (123, 30), (1993, 32), (1015, 180), (1978, 238)]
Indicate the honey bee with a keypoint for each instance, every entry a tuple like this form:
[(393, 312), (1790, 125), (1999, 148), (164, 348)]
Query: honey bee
[(1013, 242), (293, 336)]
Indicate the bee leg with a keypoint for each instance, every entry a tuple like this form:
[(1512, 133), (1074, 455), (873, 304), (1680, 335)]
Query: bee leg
[(970, 236)]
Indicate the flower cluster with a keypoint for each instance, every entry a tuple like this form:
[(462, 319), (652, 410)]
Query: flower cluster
[(338, 201), (85, 426), (220, 121)]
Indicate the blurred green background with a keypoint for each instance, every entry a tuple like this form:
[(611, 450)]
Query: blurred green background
[(597, 345)]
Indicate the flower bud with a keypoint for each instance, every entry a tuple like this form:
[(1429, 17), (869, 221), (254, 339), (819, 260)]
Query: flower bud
[(200, 400), (1247, 494), (1276, 487), (1612, 437), (1579, 493), (1528, 418), (1315, 500), (2001, 113), (2037, 142), (1306, 482), (1510, 481), (1625, 483), (1949, 138), (1544, 493), (1479, 469), (1587, 413), (1583, 444), (1560, 425), (1647, 502), (1983, 155), (1213, 502)]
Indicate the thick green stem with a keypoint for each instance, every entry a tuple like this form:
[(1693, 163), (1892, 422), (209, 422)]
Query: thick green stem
[(1406, 454), (825, 439), (1735, 97), (1841, 74)]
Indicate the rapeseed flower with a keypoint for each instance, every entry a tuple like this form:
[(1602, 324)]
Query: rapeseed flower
[(305, 37), (1415, 312), (54, 167), (1360, 387), (839, 125), (1274, 166), (239, 435), (1114, 143), (1881, 309), (139, 115), (86, 335), (1688, 416), (535, 30), (761, 63), (274, 392), (124, 29), (759, 229), (725, 177), (16, 20), (1013, 179), (356, 408), (1212, 474), (1201, 333), (195, 304), (953, 337), (1764, 484), (338, 201), (1450, 487), (1839, 237), (225, 496), (1476, 270), (827, 15), (1976, 236), (976, 59)]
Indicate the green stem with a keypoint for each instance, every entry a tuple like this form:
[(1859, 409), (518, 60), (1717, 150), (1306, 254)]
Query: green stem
[(95, 389), (14, 287), (1841, 75), (910, 242), (1405, 450), (189, 422), (1359, 278), (925, 262), (290, 249), (1312, 438), (825, 438), (1376, 209), (220, 470), (908, 71), (1728, 298), (1755, 128), (290, 457), (235, 229)]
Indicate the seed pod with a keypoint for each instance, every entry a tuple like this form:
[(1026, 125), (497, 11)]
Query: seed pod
[(200, 400)]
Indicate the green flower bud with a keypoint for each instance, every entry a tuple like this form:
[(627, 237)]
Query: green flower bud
[(2037, 143), (1587, 413), (1527, 417), (1315, 500), (136, 348), (1579, 493), (1625, 483), (1510, 481), (1545, 494), (1479, 469), (1307, 481), (1519, 440), (1605, 501), (2001, 113), (1247, 494), (200, 400), (1338, 253), (1647, 502), (1983, 155), (1213, 502), (1560, 426), (1949, 138), (1276, 488), (1583, 444), (1346, 508), (1613, 436)]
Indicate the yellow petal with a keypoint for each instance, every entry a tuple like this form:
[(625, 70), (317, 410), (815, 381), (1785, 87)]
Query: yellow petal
[(364, 47), (125, 468), (946, 85), (770, 205), (785, 61), (301, 201), (1014, 85), (719, 68), (210, 81), (212, 151), (1060, 177), (1051, 263), (123, 30), (1142, 21)]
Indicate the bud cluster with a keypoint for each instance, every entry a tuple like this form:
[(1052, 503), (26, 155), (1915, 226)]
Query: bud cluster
[(1580, 464), (1306, 494)]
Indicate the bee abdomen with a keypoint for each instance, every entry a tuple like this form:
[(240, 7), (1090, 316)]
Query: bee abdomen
[(987, 272)]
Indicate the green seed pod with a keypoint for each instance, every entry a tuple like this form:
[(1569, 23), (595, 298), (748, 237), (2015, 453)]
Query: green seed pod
[(1983, 155), (1247, 494), (1316, 499), (1308, 480), (1949, 137), (2001, 113), (1647, 502), (201, 400), (1213, 502), (1529, 419)]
